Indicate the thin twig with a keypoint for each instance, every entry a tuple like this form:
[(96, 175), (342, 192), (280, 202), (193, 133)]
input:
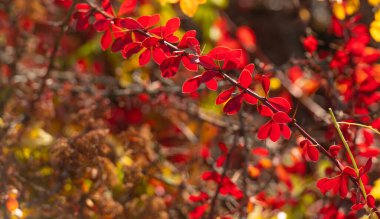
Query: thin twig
[(361, 125), (352, 158)]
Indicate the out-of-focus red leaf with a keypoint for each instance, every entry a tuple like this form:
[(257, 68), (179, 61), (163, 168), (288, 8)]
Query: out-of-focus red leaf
[(334, 150), (371, 201), (260, 151), (326, 184), (127, 7), (247, 37)]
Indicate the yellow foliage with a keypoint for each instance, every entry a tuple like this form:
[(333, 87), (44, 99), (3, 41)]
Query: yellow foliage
[(374, 30), (37, 137), (2, 124), (374, 2), (188, 7), (345, 8), (376, 190), (275, 83)]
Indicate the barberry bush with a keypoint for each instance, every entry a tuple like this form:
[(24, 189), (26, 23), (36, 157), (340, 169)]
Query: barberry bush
[(189, 109)]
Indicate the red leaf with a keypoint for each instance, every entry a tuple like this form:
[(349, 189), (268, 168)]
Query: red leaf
[(310, 43), (232, 59), (245, 78), (205, 152), (127, 7), (198, 212), (343, 187), (376, 124), (171, 38), (371, 201), (159, 55), (183, 44), (250, 68), (150, 42), (233, 105), (144, 57), (106, 40), (191, 85), (121, 42), (334, 150), (312, 152), (326, 184), (247, 37), (231, 64), (250, 99), (101, 25), (264, 131), (265, 83), (207, 62), (209, 175), (219, 53), (366, 167), (223, 148), (172, 26), (220, 160), (275, 132), (280, 104), (285, 131), (82, 7), (169, 67), (234, 54), (148, 21), (63, 3), (131, 49), (370, 152), (208, 75), (212, 84), (350, 171), (188, 63), (128, 23), (281, 117), (199, 198), (224, 96), (264, 110), (193, 44), (106, 5), (305, 143), (357, 206), (260, 151), (82, 23)]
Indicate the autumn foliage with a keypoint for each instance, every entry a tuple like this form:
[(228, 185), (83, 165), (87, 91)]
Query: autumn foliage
[(180, 109)]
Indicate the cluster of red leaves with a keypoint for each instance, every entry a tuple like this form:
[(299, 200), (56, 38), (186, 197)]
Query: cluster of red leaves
[(355, 53), (142, 36), (145, 38)]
